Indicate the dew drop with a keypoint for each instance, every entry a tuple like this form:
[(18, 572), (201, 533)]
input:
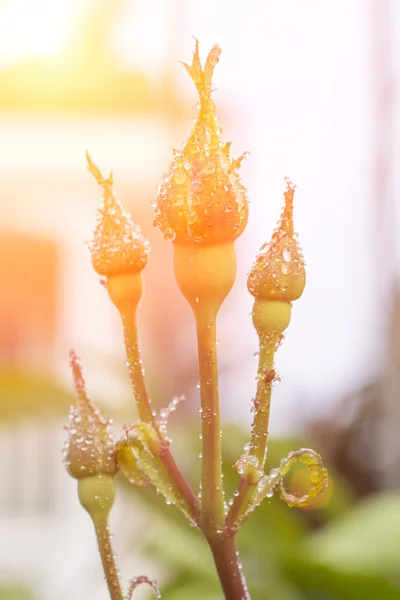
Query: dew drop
[(252, 460), (169, 235), (285, 269), (287, 255), (180, 176)]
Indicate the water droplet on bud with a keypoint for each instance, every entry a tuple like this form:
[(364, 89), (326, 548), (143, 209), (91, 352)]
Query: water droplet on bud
[(169, 235)]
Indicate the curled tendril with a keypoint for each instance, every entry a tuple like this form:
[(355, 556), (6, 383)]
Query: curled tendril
[(317, 473), (318, 476), (134, 583)]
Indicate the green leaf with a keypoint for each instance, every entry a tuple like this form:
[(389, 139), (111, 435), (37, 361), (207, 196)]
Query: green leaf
[(24, 393), (15, 592), (319, 582), (366, 539)]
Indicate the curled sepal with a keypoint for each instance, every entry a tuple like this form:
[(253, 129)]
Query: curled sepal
[(134, 583), (202, 77), (129, 466), (148, 448), (90, 448), (318, 477), (118, 246)]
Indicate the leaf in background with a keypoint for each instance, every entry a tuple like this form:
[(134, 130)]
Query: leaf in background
[(366, 539), (15, 592), (23, 394), (320, 582)]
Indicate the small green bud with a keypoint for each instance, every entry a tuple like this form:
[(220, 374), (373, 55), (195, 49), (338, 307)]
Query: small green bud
[(96, 494), (272, 317), (90, 448), (128, 465), (248, 469)]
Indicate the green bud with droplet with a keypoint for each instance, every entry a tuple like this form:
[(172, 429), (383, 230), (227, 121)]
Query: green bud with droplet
[(269, 316)]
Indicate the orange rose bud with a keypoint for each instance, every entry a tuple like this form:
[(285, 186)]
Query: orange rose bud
[(202, 199), (118, 246), (279, 270)]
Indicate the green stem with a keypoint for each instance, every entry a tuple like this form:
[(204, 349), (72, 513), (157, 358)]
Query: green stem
[(259, 432), (241, 500), (229, 568), (212, 505), (135, 368), (258, 446), (107, 559), (147, 414)]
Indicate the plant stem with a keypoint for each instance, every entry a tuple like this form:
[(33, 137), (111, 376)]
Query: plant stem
[(259, 434), (135, 368), (241, 500), (147, 414), (107, 558), (212, 505), (229, 568)]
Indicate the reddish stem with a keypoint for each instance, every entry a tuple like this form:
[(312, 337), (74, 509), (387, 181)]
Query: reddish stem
[(229, 568)]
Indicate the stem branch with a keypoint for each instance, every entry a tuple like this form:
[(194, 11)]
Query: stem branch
[(259, 432), (147, 414), (135, 368)]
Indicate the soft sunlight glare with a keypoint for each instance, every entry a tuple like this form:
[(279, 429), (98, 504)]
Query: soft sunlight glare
[(31, 28)]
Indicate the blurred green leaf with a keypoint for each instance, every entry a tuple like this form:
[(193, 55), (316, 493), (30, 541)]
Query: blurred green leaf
[(365, 540), (320, 582), (23, 394), (15, 592)]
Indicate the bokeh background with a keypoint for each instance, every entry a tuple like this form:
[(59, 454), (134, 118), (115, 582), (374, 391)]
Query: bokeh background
[(311, 89)]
